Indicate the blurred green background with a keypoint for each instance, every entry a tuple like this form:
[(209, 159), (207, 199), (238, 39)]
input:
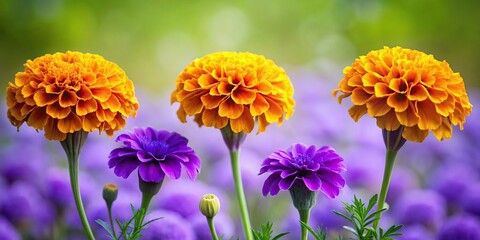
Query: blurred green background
[(154, 40)]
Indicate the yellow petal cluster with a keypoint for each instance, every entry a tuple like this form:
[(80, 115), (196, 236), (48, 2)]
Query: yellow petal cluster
[(68, 92), (403, 87), (234, 88)]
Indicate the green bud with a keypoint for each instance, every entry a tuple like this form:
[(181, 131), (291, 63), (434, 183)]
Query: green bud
[(302, 197), (209, 205), (110, 193)]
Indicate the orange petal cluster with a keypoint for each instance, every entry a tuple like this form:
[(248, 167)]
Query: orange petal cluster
[(404, 87), (236, 89), (68, 92)]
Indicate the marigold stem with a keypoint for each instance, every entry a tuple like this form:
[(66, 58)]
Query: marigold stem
[(387, 174), (237, 178), (73, 170)]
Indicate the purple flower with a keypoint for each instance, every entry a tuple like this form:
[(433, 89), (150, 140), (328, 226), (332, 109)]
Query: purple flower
[(471, 199), (7, 230), (156, 154), (460, 227), (424, 207), (415, 232), (170, 226), (317, 169)]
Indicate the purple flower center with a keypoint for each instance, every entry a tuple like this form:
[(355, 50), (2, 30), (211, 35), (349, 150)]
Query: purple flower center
[(156, 148), (302, 160)]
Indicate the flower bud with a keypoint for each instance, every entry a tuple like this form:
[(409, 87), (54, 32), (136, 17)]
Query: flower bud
[(110, 193), (209, 205)]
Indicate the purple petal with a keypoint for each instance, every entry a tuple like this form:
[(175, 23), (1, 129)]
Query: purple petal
[(312, 181), (310, 150), (151, 172), (144, 157), (298, 149), (271, 185), (288, 172), (172, 168), (125, 168), (150, 133), (286, 183)]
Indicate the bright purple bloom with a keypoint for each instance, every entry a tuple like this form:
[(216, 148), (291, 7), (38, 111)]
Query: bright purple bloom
[(170, 226), (156, 154), (317, 169), (460, 227), (8, 231)]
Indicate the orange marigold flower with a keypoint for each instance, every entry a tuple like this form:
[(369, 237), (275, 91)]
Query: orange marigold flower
[(403, 87), (234, 88), (68, 92)]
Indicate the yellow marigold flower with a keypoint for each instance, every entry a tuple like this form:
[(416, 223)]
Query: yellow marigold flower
[(403, 87), (68, 92), (234, 88)]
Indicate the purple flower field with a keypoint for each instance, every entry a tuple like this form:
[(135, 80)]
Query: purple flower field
[(434, 191)]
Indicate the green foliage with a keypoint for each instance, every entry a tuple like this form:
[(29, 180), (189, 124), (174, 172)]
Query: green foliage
[(266, 233), (127, 231), (318, 235), (359, 216)]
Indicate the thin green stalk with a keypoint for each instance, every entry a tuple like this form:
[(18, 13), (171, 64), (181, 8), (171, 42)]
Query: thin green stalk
[(387, 174), (110, 219), (212, 228), (237, 178), (304, 216), (73, 170)]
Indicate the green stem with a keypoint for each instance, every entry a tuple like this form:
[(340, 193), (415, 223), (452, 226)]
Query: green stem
[(237, 178), (212, 228), (304, 216), (73, 170), (110, 219), (146, 199), (387, 174)]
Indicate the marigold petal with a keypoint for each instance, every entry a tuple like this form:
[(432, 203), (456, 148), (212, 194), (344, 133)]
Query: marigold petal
[(414, 134), (70, 124), (274, 112), (29, 89), (243, 95), (67, 99), (112, 103), (408, 117), (210, 118), (370, 79), (37, 118), (429, 119), (230, 109), (444, 131), (437, 95), (211, 102), (42, 98), (357, 111), (191, 85), (101, 94), (193, 103), (86, 106), (446, 107), (244, 123), (84, 93), (359, 96), (224, 88), (90, 122), (398, 101), (377, 107), (54, 110), (388, 121), (259, 105), (52, 132), (206, 81), (264, 87), (417, 93), (262, 123), (382, 90)]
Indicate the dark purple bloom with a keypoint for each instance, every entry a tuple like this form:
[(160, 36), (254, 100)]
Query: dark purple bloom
[(170, 226), (156, 154), (424, 207), (317, 169)]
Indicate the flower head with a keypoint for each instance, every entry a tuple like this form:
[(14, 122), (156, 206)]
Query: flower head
[(68, 92), (234, 88), (156, 154), (317, 169), (403, 87), (209, 205)]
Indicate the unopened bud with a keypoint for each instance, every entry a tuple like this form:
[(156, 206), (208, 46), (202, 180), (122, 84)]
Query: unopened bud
[(209, 205), (110, 193)]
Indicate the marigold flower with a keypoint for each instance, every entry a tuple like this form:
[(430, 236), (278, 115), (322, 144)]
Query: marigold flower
[(234, 88), (68, 92), (317, 169), (403, 87), (155, 153)]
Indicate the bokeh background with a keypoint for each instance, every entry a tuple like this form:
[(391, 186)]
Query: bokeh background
[(435, 187)]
